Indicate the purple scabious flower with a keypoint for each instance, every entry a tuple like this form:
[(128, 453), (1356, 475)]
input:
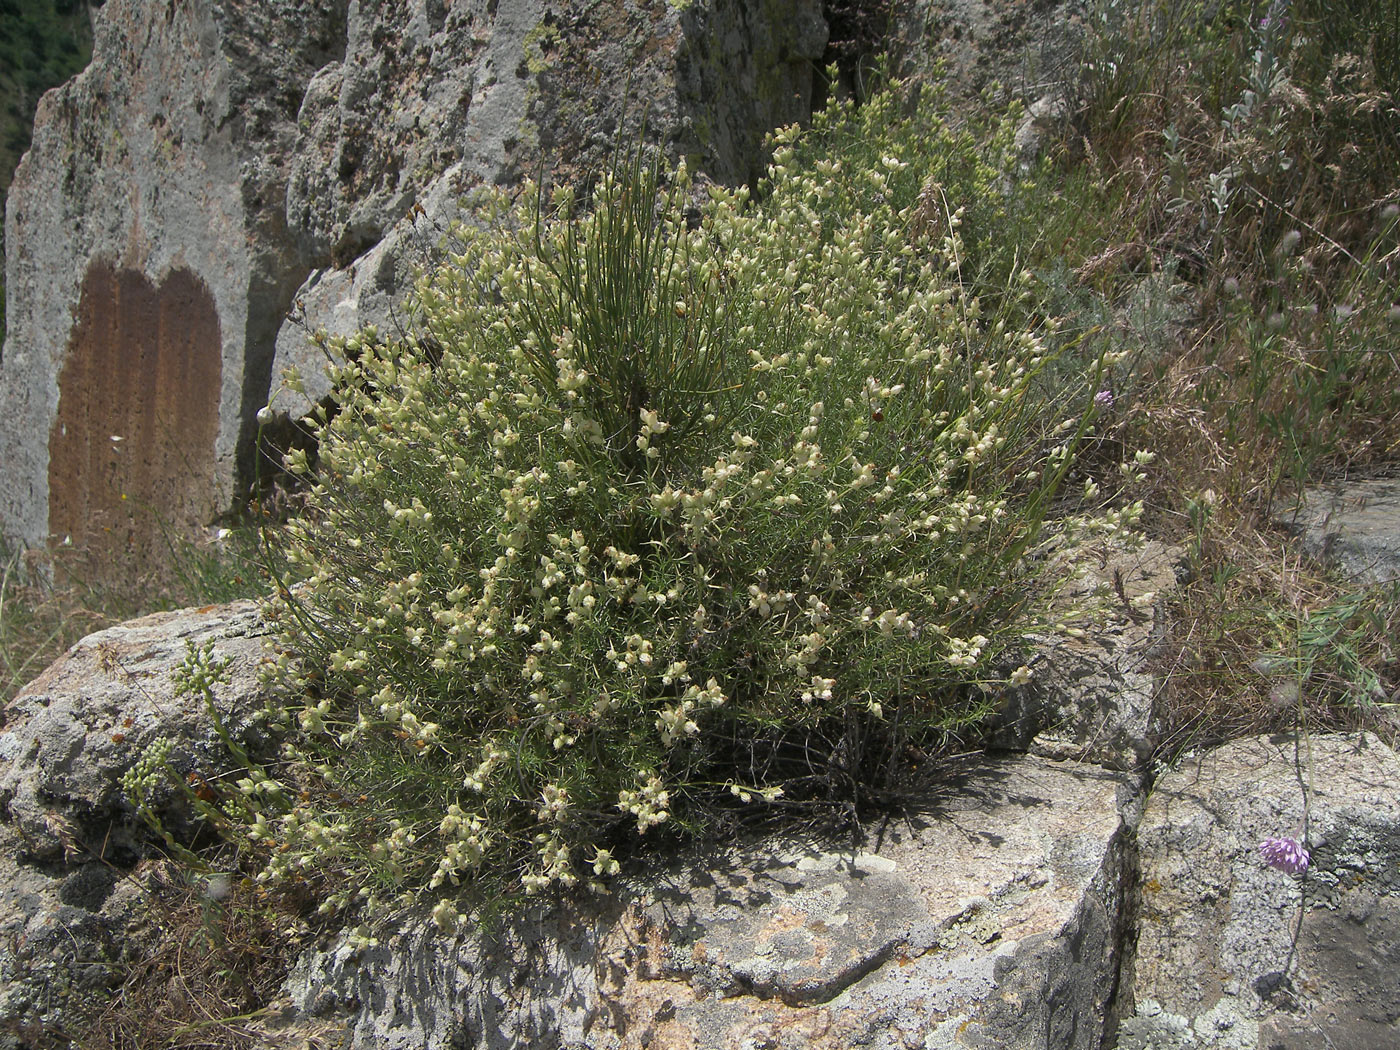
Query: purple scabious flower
[(1288, 855)]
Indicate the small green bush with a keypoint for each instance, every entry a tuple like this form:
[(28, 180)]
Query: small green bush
[(663, 505)]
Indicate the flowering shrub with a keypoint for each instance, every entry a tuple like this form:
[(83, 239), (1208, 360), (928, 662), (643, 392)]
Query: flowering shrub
[(655, 507)]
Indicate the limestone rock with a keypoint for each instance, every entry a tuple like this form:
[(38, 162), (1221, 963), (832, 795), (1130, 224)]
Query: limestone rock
[(1043, 118), (1094, 698), (68, 838), (60, 946), (222, 164), (181, 191), (1232, 953), (1014, 902), (479, 94), (148, 268), (72, 733), (504, 89), (1028, 49), (1354, 526), (369, 291), (987, 915)]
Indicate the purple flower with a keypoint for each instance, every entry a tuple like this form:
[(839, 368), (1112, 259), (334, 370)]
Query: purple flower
[(1288, 855), (1104, 399), (1275, 18)]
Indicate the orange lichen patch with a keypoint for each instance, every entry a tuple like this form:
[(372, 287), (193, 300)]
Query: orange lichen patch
[(650, 1006), (639, 999), (131, 451)]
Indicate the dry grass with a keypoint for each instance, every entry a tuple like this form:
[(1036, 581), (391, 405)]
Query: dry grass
[(1262, 640), (46, 605), (38, 623), (204, 973)]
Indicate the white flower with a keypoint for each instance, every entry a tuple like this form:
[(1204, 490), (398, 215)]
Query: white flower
[(604, 863), (554, 804), (445, 915), (673, 722), (965, 652)]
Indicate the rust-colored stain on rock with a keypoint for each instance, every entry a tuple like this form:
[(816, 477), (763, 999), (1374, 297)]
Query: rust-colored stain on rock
[(131, 452)]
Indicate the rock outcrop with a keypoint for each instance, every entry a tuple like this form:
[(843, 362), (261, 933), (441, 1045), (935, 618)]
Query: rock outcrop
[(1353, 527), (1016, 900), (223, 162), (1026, 49), (546, 89), (148, 268), (227, 177), (1234, 954), (987, 914), (68, 837), (1095, 698)]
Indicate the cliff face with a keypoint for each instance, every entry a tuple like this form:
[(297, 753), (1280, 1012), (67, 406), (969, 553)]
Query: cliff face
[(432, 99), (222, 160), (148, 264)]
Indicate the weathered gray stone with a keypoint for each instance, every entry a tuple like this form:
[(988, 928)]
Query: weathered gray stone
[(148, 268), (1045, 116), (1234, 954), (71, 734), (183, 188), (996, 909), (68, 837), (504, 89), (1353, 526), (1094, 698), (987, 915), (1029, 49), (370, 291), (391, 138), (60, 946)]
